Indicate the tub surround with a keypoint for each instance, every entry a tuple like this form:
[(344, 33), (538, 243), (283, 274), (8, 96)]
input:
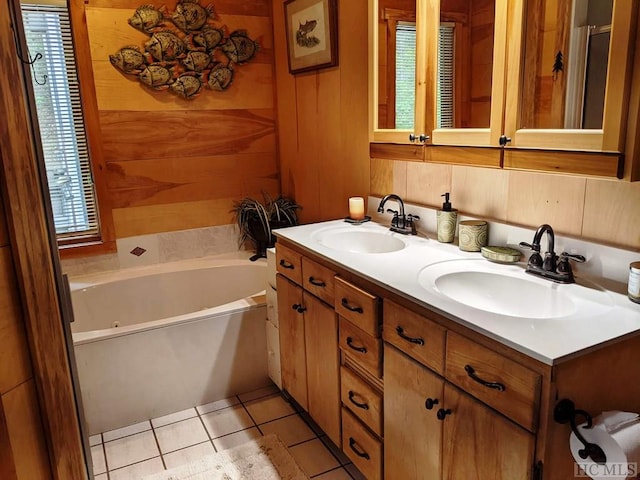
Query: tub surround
[(550, 341), (159, 248), (157, 339)]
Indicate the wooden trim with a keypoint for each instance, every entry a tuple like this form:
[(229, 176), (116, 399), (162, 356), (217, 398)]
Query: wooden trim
[(514, 45), (461, 136), (564, 139), (579, 163), (87, 249), (92, 126), (474, 156), (394, 151), (499, 73), (392, 25), (621, 53), (32, 252), (372, 67), (632, 147), (427, 34)]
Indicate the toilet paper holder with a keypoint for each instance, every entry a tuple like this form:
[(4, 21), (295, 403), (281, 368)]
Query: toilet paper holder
[(566, 412)]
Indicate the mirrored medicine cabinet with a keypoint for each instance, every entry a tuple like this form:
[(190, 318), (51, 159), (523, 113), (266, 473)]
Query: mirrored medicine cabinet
[(535, 74), (433, 66)]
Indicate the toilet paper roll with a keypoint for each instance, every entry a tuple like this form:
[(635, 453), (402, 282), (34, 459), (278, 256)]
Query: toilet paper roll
[(618, 434)]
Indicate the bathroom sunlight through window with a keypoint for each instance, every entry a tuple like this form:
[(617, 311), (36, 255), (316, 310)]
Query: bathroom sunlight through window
[(406, 75), (60, 117)]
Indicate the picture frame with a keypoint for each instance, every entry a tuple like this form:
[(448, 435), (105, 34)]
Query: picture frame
[(312, 34)]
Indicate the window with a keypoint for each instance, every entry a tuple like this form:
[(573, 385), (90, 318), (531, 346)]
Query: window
[(60, 117), (445, 76), (406, 75)]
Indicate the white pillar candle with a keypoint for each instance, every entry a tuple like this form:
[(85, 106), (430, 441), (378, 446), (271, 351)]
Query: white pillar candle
[(356, 208)]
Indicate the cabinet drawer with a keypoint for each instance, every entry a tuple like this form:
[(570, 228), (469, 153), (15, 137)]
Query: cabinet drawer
[(318, 280), (362, 347), (504, 384), (364, 450), (415, 335), (359, 397), (289, 263), (357, 306)]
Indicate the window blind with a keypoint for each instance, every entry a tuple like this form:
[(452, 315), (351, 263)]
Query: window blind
[(405, 75), (61, 121), (445, 107)]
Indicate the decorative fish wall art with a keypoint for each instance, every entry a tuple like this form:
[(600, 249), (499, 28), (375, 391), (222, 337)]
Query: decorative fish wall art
[(186, 50)]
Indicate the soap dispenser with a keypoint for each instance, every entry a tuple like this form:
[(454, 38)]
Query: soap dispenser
[(447, 219)]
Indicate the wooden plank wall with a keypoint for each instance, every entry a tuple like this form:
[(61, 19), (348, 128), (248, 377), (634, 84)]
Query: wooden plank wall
[(23, 452), (322, 120), (39, 430), (171, 163)]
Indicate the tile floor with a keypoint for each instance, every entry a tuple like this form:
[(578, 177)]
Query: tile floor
[(161, 443)]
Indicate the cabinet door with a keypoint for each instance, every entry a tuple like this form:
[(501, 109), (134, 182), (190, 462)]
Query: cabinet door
[(403, 47), (481, 444), (412, 432), (469, 76), (292, 348), (549, 90), (323, 365)]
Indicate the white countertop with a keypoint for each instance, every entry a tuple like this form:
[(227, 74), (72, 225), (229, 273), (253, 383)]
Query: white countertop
[(549, 340)]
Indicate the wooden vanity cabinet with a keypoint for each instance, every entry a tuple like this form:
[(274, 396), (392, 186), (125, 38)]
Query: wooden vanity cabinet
[(308, 330), (361, 372), (408, 387), (433, 429), (480, 443), (293, 356), (428, 414)]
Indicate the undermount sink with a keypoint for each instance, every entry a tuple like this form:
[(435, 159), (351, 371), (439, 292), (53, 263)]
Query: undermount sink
[(508, 290), (356, 239)]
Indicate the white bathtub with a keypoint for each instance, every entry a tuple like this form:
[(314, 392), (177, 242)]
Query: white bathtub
[(155, 340)]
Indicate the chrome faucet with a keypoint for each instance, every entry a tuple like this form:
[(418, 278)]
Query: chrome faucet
[(400, 222), (549, 267)]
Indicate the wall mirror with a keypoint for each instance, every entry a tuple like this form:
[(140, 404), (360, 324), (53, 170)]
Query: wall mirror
[(566, 53), (396, 67), (464, 50), (465, 63)]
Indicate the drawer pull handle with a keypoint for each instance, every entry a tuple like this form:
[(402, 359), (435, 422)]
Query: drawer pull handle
[(298, 307), (345, 304), (352, 446), (430, 402), (357, 349), (442, 413), (472, 373), (317, 283), (417, 341), (287, 265), (363, 406)]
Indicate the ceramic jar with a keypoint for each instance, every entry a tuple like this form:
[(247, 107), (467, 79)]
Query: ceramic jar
[(473, 235)]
